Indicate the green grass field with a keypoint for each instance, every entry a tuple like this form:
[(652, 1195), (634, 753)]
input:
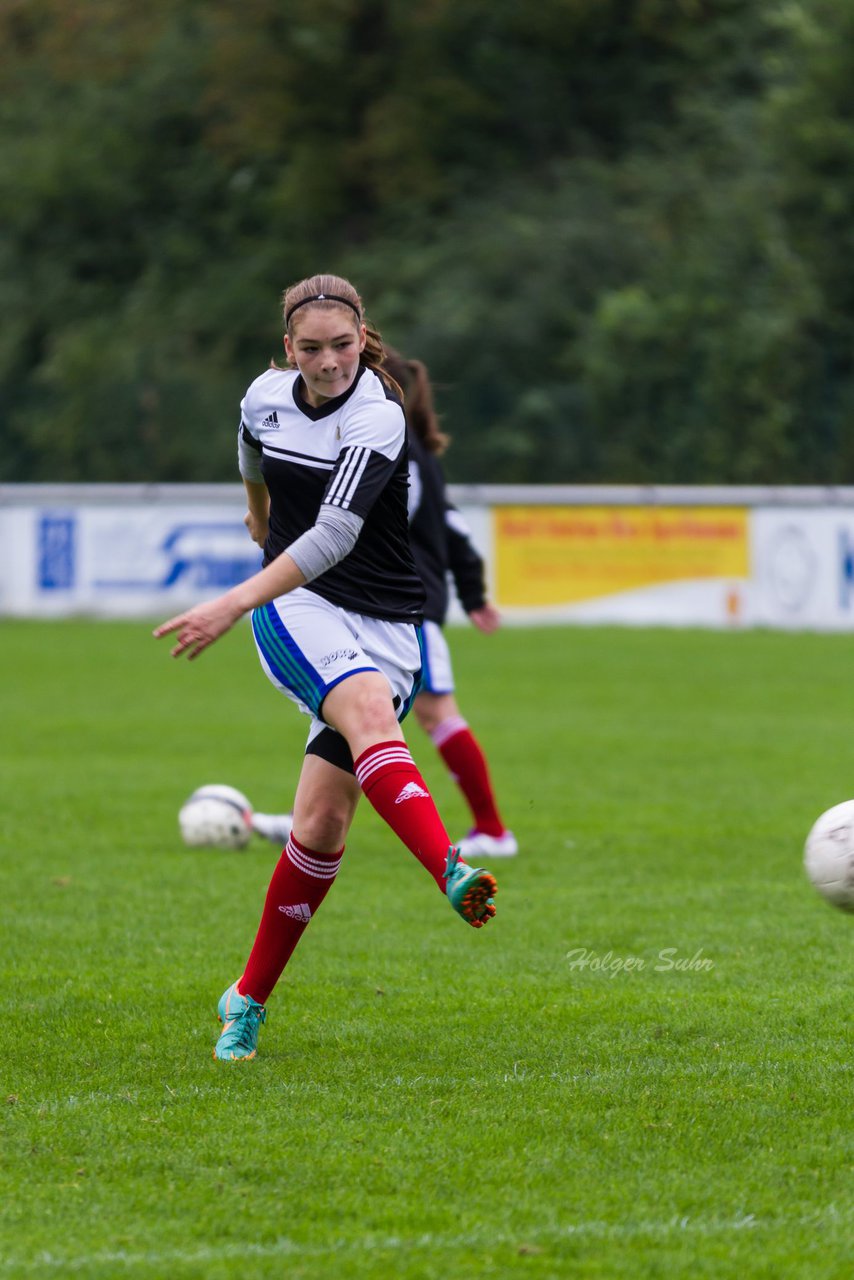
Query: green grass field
[(430, 1100)]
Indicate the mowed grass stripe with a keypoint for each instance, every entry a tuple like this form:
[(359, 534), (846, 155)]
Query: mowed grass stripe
[(385, 1245)]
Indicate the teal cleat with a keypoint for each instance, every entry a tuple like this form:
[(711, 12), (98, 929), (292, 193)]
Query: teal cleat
[(241, 1017), (470, 890)]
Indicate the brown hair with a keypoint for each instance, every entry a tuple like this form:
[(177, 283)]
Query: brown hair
[(334, 291), (413, 377)]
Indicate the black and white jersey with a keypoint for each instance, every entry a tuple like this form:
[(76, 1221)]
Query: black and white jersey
[(441, 539), (351, 454)]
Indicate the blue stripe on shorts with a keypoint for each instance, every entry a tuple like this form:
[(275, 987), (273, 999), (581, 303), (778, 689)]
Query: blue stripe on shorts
[(285, 659), (425, 675), (418, 682)]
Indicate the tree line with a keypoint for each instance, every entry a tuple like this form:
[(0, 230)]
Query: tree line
[(618, 232)]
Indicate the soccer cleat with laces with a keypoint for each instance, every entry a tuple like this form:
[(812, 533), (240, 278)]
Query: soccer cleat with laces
[(470, 890), (241, 1017), (477, 844), (275, 827)]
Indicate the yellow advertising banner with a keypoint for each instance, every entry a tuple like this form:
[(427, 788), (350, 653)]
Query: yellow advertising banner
[(563, 555)]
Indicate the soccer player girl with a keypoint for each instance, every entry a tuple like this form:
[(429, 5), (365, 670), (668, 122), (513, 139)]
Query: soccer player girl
[(336, 615), (442, 544)]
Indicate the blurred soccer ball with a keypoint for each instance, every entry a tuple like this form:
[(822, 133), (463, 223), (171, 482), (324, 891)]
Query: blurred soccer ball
[(829, 855), (216, 817)]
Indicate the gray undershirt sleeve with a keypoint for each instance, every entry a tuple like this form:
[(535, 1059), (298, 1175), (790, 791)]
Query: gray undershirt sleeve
[(248, 460), (329, 541)]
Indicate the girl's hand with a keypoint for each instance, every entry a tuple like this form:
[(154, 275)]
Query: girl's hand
[(258, 527), (486, 619), (200, 626)]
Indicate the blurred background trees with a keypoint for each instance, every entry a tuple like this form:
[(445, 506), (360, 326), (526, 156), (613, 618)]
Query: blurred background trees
[(618, 232)]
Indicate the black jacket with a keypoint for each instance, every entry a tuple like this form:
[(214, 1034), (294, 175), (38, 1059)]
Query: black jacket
[(441, 540)]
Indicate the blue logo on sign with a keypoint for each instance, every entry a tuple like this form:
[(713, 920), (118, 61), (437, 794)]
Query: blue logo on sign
[(846, 567), (56, 552), (203, 556)]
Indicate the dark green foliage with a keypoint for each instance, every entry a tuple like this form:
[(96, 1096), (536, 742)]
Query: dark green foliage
[(618, 231)]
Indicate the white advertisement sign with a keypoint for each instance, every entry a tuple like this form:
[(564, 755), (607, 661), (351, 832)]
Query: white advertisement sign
[(803, 569), (724, 558), (121, 561)]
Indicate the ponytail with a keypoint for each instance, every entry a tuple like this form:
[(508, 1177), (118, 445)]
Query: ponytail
[(421, 415), (374, 358)]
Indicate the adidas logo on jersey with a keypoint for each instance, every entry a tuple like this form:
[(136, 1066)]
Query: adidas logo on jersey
[(297, 911), (411, 791), (271, 421)]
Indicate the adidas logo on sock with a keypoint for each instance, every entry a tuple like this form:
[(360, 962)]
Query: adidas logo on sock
[(297, 911), (411, 792), (272, 421)]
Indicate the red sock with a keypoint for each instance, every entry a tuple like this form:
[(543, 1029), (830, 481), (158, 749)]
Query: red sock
[(300, 882), (462, 753), (389, 778)]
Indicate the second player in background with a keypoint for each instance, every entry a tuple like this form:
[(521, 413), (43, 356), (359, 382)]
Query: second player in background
[(442, 545)]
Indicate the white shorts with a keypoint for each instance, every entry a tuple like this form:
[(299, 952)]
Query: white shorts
[(307, 646), (438, 674)]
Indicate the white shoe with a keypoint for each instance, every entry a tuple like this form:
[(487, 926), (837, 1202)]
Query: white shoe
[(275, 827), (478, 844)]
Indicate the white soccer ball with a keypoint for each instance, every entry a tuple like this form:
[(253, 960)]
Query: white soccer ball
[(829, 855), (216, 817)]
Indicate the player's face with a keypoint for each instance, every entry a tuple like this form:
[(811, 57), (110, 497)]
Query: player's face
[(325, 344)]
